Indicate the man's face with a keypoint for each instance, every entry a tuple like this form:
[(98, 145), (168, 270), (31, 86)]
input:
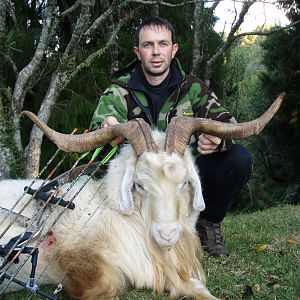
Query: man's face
[(155, 50)]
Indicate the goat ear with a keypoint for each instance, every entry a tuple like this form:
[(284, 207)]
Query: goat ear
[(198, 202), (126, 198)]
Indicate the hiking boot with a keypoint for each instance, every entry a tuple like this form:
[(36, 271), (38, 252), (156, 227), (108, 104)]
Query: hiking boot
[(211, 237)]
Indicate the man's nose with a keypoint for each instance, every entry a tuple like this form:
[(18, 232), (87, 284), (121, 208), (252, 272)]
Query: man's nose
[(155, 49)]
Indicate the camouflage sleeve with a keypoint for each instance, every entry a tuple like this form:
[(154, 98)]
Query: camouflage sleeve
[(111, 103), (206, 105)]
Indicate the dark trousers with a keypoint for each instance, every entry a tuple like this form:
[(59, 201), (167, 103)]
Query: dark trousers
[(223, 175)]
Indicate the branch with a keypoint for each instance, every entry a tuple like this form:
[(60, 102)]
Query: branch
[(233, 38), (81, 26), (268, 32), (11, 61), (155, 2), (96, 24), (88, 61), (163, 2), (239, 22), (214, 6), (3, 8), (70, 9), (230, 39), (11, 9), (200, 33)]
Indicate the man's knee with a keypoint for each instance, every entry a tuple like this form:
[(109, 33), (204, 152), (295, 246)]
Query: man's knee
[(234, 163), (240, 161)]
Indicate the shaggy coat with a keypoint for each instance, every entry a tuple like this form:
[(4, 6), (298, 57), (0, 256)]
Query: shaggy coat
[(135, 227)]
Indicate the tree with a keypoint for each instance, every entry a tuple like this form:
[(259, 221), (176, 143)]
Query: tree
[(258, 72), (83, 23), (69, 39), (282, 60)]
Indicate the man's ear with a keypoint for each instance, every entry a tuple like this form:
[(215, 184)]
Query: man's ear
[(137, 52), (174, 50)]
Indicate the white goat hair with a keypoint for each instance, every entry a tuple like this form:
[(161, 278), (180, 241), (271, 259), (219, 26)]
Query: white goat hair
[(134, 227)]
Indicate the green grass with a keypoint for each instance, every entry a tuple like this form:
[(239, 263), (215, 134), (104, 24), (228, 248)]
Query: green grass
[(272, 273), (263, 263)]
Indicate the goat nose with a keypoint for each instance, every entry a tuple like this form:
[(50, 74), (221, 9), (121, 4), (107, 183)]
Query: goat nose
[(168, 231)]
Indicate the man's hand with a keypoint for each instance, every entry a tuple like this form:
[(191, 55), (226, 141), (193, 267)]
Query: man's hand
[(109, 121), (207, 143)]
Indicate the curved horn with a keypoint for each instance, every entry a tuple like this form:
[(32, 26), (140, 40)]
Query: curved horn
[(137, 132), (180, 129)]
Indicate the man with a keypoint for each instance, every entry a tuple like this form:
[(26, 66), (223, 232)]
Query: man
[(156, 89)]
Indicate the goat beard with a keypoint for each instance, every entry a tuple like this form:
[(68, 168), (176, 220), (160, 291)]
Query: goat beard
[(185, 253)]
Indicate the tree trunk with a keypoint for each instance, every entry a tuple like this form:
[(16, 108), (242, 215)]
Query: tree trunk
[(59, 80), (30, 70), (5, 154), (198, 32), (33, 150), (65, 72), (3, 10), (4, 172)]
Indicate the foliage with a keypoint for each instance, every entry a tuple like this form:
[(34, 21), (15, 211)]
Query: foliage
[(243, 90), (242, 85), (282, 59), (263, 263), (257, 72), (9, 150)]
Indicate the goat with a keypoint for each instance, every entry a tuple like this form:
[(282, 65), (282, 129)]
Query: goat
[(141, 245), (136, 226)]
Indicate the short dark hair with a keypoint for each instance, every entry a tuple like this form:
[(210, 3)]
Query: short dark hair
[(154, 21)]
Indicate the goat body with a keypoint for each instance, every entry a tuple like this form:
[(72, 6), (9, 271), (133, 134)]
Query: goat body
[(134, 227)]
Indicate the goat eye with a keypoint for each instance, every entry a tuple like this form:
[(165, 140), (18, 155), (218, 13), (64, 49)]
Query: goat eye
[(184, 184), (139, 187)]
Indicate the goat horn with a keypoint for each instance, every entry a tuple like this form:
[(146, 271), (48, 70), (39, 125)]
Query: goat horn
[(180, 129), (137, 132)]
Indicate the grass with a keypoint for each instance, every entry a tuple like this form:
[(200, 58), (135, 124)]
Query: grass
[(264, 256), (263, 263)]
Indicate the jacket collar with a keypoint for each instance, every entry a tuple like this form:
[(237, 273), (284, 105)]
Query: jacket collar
[(131, 75), (137, 79)]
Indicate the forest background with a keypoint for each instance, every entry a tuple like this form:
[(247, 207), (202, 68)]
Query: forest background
[(56, 58)]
